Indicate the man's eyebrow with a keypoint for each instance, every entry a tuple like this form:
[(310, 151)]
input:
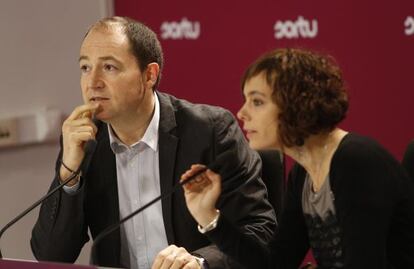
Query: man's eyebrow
[(103, 58), (83, 58)]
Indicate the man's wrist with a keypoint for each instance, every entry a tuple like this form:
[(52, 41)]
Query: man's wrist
[(73, 182), (66, 172), (72, 189), (67, 167)]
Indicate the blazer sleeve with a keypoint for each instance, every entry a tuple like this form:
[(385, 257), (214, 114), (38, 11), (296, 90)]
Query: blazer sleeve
[(244, 198), (286, 250), (60, 231)]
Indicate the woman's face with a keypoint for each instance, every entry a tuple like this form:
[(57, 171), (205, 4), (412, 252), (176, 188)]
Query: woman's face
[(259, 114)]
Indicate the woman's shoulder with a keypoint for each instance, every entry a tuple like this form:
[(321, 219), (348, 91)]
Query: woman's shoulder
[(360, 157), (355, 148), (357, 142)]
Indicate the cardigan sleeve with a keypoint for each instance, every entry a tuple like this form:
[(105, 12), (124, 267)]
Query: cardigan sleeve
[(368, 184)]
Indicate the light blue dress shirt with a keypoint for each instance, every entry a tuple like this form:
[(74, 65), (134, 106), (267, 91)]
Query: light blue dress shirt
[(137, 166)]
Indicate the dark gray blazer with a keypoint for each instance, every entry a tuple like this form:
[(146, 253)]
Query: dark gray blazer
[(188, 134)]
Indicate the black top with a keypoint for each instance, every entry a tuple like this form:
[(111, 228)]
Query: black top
[(324, 232), (374, 201)]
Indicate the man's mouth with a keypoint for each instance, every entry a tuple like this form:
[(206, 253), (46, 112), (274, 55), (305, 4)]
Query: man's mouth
[(98, 99)]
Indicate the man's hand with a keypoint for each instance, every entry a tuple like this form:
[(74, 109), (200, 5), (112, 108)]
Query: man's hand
[(77, 129), (174, 257)]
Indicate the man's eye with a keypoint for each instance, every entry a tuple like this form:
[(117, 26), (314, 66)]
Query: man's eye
[(110, 67), (84, 68)]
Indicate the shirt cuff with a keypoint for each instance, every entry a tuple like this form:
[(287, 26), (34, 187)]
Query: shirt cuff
[(71, 189), (201, 262)]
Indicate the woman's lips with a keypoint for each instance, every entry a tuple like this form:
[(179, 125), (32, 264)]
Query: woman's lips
[(250, 133)]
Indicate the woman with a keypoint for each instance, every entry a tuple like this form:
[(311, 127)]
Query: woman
[(347, 198)]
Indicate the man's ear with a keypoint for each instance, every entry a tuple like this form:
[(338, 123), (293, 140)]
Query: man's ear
[(151, 74)]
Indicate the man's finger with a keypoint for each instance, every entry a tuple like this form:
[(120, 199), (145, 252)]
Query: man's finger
[(181, 260), (74, 125), (82, 137), (83, 111), (192, 265), (162, 255)]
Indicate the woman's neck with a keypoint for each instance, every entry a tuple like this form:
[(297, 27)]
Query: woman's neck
[(316, 155)]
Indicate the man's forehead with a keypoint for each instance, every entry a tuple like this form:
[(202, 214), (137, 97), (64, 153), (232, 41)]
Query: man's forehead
[(103, 42), (113, 34), (107, 40), (108, 27)]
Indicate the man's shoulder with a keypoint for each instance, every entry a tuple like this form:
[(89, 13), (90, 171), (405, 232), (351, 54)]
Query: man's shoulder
[(184, 108)]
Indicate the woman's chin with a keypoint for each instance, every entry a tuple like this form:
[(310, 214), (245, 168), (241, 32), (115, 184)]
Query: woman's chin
[(255, 145)]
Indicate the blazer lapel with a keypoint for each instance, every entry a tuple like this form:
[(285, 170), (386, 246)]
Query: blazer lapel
[(109, 186), (167, 142)]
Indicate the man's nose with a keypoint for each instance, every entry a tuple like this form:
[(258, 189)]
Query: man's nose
[(95, 80)]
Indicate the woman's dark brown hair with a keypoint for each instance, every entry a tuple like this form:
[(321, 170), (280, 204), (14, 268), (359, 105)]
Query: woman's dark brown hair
[(307, 88)]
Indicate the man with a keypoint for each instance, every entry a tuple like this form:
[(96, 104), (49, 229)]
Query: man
[(145, 141)]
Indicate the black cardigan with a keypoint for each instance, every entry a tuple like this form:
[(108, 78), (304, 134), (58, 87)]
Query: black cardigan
[(374, 202)]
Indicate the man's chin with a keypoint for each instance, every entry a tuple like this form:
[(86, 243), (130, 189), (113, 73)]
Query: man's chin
[(102, 117)]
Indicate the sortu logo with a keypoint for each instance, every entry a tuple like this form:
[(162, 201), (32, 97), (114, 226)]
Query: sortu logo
[(409, 25), (184, 29), (296, 29)]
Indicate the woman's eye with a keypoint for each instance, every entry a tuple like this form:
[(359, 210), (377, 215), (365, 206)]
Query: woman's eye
[(257, 102)]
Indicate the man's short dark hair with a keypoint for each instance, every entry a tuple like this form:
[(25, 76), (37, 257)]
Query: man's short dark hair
[(144, 43)]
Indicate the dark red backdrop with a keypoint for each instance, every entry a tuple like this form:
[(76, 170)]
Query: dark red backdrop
[(373, 42)]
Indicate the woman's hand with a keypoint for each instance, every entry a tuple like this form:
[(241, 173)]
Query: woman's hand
[(202, 193)]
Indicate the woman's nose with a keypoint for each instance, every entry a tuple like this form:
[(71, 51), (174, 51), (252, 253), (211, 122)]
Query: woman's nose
[(242, 114)]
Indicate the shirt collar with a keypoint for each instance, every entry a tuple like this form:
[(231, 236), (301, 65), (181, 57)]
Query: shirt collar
[(150, 137)]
